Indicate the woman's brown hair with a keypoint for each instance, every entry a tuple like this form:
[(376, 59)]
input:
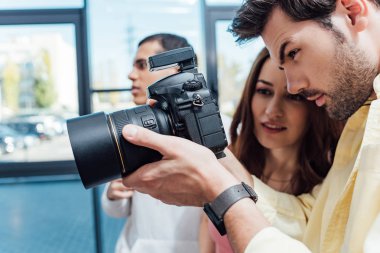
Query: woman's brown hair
[(317, 147)]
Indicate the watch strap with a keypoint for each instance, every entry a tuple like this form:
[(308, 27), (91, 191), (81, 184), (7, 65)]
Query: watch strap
[(227, 198), (216, 209)]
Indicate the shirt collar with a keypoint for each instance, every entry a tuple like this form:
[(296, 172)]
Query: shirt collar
[(376, 86)]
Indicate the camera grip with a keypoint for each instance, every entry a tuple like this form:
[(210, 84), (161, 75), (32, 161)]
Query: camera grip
[(192, 128)]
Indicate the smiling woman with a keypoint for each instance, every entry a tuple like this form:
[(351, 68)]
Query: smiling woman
[(280, 118)]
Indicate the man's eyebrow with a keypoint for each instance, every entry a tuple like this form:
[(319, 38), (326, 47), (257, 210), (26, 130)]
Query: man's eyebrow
[(265, 82), (282, 51)]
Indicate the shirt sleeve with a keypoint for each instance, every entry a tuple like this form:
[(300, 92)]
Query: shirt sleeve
[(371, 244), (272, 240), (286, 212), (115, 208)]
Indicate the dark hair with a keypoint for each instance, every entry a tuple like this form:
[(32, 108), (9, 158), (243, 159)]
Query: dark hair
[(168, 41), (317, 148), (253, 15)]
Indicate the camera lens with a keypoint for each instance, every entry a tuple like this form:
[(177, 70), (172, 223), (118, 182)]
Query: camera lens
[(100, 151)]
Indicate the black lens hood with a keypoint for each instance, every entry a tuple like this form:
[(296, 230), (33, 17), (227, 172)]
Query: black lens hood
[(96, 155)]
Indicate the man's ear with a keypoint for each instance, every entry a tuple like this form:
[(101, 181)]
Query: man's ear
[(357, 11)]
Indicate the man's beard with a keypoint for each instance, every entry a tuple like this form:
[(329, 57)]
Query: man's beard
[(352, 81)]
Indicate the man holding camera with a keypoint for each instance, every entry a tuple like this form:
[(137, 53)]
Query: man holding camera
[(152, 226), (330, 53)]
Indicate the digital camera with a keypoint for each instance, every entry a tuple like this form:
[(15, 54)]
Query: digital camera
[(184, 108)]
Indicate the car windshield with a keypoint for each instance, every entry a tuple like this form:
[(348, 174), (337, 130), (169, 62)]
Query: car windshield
[(4, 130)]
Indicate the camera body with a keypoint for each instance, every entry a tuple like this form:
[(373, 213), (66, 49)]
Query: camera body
[(184, 108), (193, 112)]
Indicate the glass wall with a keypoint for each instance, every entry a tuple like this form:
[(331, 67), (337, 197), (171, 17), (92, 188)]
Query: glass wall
[(116, 27), (233, 65), (223, 2), (38, 91), (42, 82), (40, 4), (48, 74), (228, 63)]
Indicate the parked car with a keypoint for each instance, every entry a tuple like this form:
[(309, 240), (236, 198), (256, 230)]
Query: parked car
[(43, 126), (29, 128), (10, 140)]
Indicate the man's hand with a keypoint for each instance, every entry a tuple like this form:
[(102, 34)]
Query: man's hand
[(188, 174), (117, 190)]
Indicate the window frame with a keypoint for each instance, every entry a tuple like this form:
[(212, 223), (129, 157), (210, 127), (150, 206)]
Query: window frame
[(212, 14), (54, 169), (77, 17)]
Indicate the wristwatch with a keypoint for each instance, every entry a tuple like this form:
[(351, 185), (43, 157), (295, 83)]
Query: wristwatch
[(216, 209)]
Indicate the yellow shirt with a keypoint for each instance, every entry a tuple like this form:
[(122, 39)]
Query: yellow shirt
[(340, 213)]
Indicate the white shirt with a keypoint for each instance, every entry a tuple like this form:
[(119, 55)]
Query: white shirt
[(153, 226)]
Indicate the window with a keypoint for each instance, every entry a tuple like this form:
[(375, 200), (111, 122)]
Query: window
[(115, 28), (228, 64), (223, 2), (40, 4), (38, 91), (43, 80), (233, 65)]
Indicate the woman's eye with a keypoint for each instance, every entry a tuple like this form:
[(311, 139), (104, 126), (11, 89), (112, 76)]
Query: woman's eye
[(292, 54), (264, 91), (296, 97)]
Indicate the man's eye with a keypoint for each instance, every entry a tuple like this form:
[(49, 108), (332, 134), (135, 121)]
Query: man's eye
[(264, 91), (140, 64), (292, 54)]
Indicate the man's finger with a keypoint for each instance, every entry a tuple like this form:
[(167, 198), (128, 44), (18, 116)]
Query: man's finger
[(151, 102), (140, 177), (144, 137)]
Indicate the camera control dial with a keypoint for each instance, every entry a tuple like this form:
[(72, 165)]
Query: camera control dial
[(192, 85)]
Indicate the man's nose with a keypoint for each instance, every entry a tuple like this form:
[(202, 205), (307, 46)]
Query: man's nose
[(296, 83), (133, 75)]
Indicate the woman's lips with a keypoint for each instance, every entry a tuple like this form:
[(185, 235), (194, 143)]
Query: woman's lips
[(273, 128)]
